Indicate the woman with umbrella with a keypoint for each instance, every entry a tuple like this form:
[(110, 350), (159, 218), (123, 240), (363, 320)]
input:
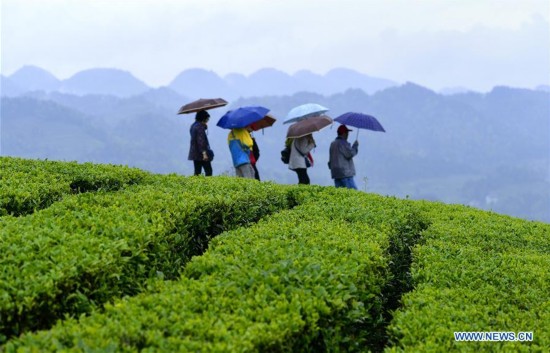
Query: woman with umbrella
[(300, 156), (306, 119), (199, 149)]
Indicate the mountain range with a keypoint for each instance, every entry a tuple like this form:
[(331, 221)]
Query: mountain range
[(488, 150), (192, 83)]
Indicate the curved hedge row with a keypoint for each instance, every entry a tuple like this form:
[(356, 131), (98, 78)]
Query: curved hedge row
[(295, 282), (476, 272), (327, 275), (308, 279), (89, 248), (30, 185)]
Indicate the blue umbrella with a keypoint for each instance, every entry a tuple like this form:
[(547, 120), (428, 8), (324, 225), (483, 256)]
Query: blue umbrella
[(361, 121), (304, 111), (242, 117)]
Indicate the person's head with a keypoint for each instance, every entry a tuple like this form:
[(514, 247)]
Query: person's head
[(343, 131), (202, 116)]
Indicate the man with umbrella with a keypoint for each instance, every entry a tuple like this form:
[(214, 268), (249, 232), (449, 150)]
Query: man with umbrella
[(341, 155)]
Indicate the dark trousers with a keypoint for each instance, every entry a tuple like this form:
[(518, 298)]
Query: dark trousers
[(256, 173), (199, 165), (303, 178)]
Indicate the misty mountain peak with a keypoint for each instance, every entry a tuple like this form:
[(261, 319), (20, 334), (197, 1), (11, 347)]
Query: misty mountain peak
[(269, 81), (199, 83), (341, 79), (269, 72), (196, 73), (305, 74), (417, 96), (34, 78), (107, 81), (413, 87)]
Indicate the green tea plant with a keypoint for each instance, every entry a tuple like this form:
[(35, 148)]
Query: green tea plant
[(89, 248), (476, 272), (29, 185), (294, 282), (102, 258)]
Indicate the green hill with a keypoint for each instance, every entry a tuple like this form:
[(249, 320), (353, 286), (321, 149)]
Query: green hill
[(104, 258)]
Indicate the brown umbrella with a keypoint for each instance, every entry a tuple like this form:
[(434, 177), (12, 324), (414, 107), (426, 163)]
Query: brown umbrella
[(308, 126), (266, 121), (202, 104)]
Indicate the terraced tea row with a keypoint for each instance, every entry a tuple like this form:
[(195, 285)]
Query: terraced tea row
[(476, 272), (305, 279), (324, 269), (87, 249), (29, 185)]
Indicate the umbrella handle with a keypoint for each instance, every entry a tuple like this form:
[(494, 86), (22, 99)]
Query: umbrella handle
[(357, 137)]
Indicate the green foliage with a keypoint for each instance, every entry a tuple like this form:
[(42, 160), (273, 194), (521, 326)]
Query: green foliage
[(297, 281), (27, 185), (476, 271), (297, 268), (89, 248)]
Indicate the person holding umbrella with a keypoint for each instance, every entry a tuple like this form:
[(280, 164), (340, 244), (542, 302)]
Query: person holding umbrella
[(341, 152), (300, 138), (342, 168), (199, 149), (241, 122), (240, 145), (300, 157), (254, 156)]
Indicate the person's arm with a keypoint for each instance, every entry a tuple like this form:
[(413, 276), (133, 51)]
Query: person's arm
[(347, 150)]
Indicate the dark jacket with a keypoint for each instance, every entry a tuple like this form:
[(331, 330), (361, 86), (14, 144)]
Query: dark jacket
[(255, 151), (199, 141), (341, 159)]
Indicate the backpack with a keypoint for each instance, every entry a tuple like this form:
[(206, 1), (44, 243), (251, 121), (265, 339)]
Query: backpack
[(285, 155), (239, 153)]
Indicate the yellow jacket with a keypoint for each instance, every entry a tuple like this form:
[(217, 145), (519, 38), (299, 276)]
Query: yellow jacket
[(241, 134)]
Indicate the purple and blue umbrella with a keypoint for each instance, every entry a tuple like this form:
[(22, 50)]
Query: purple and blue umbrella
[(304, 111), (360, 121), (242, 117)]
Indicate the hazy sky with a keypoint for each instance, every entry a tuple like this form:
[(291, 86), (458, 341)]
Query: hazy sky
[(436, 43)]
